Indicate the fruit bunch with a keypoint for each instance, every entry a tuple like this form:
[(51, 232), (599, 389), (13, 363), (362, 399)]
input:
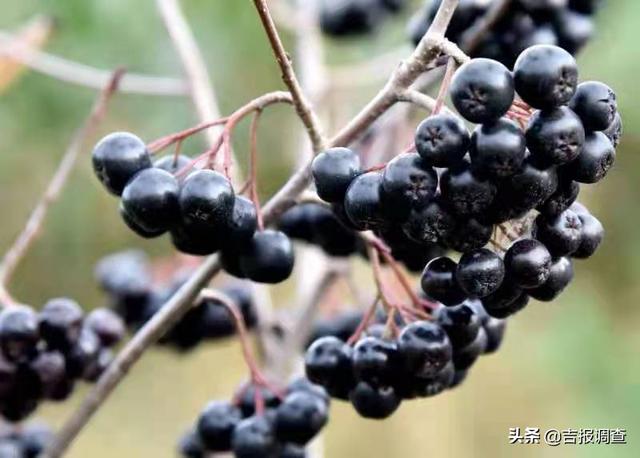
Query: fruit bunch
[(524, 23), (27, 441), (343, 18), (197, 206), (260, 422), (514, 180), (426, 358), (43, 354), (126, 277)]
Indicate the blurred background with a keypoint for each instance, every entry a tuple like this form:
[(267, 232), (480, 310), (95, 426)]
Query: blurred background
[(570, 364)]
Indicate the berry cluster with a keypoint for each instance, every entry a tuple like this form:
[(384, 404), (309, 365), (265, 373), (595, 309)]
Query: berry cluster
[(44, 353), (426, 358), (260, 423), (525, 23), (200, 210), (517, 175), (126, 277), (28, 441), (341, 18), (332, 231)]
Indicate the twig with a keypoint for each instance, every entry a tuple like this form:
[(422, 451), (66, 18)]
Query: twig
[(444, 86), (85, 75), (303, 106), (34, 224), (253, 166), (427, 51)]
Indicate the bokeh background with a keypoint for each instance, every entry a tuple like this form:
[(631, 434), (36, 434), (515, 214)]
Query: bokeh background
[(570, 364)]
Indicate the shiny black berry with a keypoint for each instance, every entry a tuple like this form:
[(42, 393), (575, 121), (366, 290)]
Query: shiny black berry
[(560, 276), (480, 272), (117, 158), (597, 157), (254, 437), (373, 359), (527, 263), (591, 238), (424, 348), (172, 164), (216, 424), (407, 183), (333, 171), (465, 192), (374, 402), (206, 200), (60, 321), (614, 131), (18, 332), (561, 234), (429, 224), (566, 194), (328, 363), (465, 357), (442, 140), (595, 103), (555, 136), (268, 257), (439, 283), (482, 90), (497, 148), (243, 221), (107, 325), (300, 417), (545, 76), (362, 201), (460, 322)]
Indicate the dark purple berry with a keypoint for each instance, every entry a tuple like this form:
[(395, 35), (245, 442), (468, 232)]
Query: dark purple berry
[(333, 171), (592, 235), (300, 417), (439, 283), (60, 323), (328, 363), (106, 325), (268, 257), (465, 192), (206, 200), (561, 234), (560, 276), (407, 183), (497, 148), (254, 437), (362, 201), (374, 402), (442, 140), (424, 348), (480, 272), (597, 157), (18, 332), (527, 263), (216, 424), (556, 136), (595, 103)]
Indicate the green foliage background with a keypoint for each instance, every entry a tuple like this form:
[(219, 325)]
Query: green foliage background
[(570, 364)]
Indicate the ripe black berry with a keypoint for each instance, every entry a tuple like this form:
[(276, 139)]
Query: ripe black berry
[(439, 283), (83, 354), (555, 136), (574, 30), (561, 234), (362, 201), (291, 451), (206, 200), (328, 363), (172, 164), (430, 224), (135, 227), (333, 171), (505, 301), (407, 183), (460, 322), (216, 424), (482, 90), (190, 445), (614, 131), (195, 240), (465, 192), (566, 194), (527, 263), (497, 148), (243, 222), (592, 235), (480, 272), (597, 157), (375, 402), (117, 158), (18, 332), (373, 359), (464, 357), (254, 437), (150, 199), (560, 276), (495, 329), (106, 325), (468, 234), (532, 186), (49, 367), (545, 76), (300, 417), (442, 140), (424, 348), (342, 18), (595, 104), (268, 257), (60, 321)]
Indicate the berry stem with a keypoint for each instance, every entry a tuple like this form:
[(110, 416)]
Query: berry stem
[(168, 140), (253, 166), (444, 86), (365, 322)]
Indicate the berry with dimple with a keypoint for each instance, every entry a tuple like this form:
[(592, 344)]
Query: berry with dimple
[(595, 103), (117, 158), (375, 402), (442, 140), (465, 192), (268, 257), (482, 90), (328, 363), (216, 424), (150, 199), (254, 437), (18, 332), (333, 171), (60, 322), (560, 276), (566, 194), (461, 323), (362, 201), (480, 272), (373, 360), (497, 148), (545, 76), (527, 263), (107, 325), (429, 224), (243, 221), (561, 234), (407, 183), (424, 348), (300, 417), (591, 238), (597, 157), (206, 200), (614, 130), (555, 136), (439, 283)]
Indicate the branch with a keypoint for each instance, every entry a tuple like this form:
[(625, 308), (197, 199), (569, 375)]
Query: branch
[(303, 106), (34, 224), (427, 51), (84, 75)]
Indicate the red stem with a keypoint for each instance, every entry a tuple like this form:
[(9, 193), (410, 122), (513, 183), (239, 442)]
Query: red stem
[(444, 86), (253, 167)]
